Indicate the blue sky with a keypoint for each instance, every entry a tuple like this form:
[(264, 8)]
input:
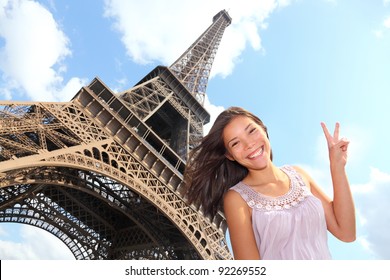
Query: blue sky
[(293, 63)]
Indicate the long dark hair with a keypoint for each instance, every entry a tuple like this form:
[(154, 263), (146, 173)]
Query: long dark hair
[(209, 174)]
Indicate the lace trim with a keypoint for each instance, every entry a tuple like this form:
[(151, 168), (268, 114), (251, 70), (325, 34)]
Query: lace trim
[(297, 193)]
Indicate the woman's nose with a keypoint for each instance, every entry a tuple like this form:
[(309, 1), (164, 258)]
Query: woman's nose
[(248, 145)]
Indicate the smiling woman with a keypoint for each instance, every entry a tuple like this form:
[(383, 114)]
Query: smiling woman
[(316, 60), (271, 212)]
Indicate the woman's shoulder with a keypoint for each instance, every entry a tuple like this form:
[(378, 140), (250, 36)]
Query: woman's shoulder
[(301, 171), (294, 169), (233, 201), (232, 194), (303, 174), (233, 197)]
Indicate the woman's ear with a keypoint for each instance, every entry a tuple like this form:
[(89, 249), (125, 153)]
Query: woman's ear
[(229, 157)]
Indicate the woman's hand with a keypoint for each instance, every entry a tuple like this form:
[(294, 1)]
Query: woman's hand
[(337, 147), (340, 213)]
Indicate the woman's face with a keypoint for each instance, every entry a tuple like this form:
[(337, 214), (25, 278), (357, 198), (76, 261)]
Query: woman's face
[(247, 143)]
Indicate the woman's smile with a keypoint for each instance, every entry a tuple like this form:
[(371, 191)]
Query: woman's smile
[(257, 153)]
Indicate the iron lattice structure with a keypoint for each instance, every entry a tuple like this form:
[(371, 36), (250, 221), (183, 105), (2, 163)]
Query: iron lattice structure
[(103, 171)]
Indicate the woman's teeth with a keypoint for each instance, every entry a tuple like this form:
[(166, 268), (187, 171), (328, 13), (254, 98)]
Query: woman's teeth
[(258, 153)]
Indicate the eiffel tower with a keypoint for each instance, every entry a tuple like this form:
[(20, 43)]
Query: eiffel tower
[(103, 171)]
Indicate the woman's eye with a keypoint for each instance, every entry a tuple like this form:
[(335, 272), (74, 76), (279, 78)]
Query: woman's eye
[(252, 130), (234, 144)]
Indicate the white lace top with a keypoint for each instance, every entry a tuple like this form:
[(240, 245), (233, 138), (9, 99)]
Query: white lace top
[(291, 226)]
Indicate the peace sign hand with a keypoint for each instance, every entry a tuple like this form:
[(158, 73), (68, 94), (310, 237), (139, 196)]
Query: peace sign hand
[(337, 147)]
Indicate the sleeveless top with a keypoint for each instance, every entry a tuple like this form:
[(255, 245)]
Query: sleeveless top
[(291, 226)]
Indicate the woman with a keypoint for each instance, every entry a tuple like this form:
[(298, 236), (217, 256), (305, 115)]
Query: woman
[(271, 212)]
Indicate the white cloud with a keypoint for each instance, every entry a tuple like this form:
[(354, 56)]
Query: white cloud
[(29, 247), (371, 200), (214, 111), (386, 23), (148, 41), (386, 3), (381, 31), (378, 33), (284, 3), (34, 49), (67, 92)]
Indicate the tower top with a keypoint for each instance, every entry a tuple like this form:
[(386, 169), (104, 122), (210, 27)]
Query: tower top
[(225, 14), (193, 67)]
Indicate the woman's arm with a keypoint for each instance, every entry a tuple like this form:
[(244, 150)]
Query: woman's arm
[(340, 213), (343, 206), (238, 217)]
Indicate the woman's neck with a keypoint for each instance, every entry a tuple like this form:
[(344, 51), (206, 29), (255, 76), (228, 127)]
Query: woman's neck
[(270, 174)]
